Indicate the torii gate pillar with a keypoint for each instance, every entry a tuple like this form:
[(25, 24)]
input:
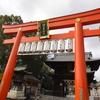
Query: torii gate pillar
[(81, 88), (9, 70)]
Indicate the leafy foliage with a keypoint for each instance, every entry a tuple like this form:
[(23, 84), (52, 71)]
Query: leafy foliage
[(34, 63), (5, 49), (46, 79)]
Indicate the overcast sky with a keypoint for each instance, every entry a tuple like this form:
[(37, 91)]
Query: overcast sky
[(34, 10)]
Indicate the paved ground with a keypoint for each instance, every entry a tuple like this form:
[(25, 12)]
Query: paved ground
[(47, 97), (68, 97)]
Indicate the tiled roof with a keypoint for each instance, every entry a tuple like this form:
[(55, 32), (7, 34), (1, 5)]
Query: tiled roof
[(69, 57), (20, 68), (31, 77)]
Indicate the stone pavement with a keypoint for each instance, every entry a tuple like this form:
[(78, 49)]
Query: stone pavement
[(47, 97)]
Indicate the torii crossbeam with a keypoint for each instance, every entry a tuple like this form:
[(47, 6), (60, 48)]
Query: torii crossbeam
[(77, 21)]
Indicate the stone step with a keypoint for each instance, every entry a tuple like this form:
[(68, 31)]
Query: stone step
[(48, 97), (18, 98), (21, 98), (16, 94), (15, 91)]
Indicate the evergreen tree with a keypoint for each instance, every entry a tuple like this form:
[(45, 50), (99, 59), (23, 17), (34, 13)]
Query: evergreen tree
[(5, 49)]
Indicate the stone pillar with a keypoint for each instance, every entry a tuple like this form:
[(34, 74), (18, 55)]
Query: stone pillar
[(36, 92)]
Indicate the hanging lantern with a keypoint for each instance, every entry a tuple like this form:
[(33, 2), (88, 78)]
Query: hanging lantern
[(73, 45), (33, 47), (39, 47), (53, 47), (21, 47), (46, 48), (99, 36), (69, 45), (27, 47), (61, 45)]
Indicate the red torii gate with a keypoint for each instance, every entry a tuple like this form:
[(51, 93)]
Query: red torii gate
[(75, 20)]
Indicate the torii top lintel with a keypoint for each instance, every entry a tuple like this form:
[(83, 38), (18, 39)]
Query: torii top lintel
[(87, 18)]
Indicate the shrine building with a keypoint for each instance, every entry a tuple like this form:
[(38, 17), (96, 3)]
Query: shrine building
[(63, 76)]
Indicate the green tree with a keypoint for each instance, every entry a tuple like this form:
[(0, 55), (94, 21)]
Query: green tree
[(45, 77), (5, 49), (34, 63)]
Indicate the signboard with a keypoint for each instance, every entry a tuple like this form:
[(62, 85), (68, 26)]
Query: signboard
[(43, 29), (81, 93)]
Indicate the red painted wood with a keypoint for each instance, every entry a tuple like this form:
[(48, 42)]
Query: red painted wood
[(9, 70), (57, 19), (80, 64), (86, 33), (87, 18)]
